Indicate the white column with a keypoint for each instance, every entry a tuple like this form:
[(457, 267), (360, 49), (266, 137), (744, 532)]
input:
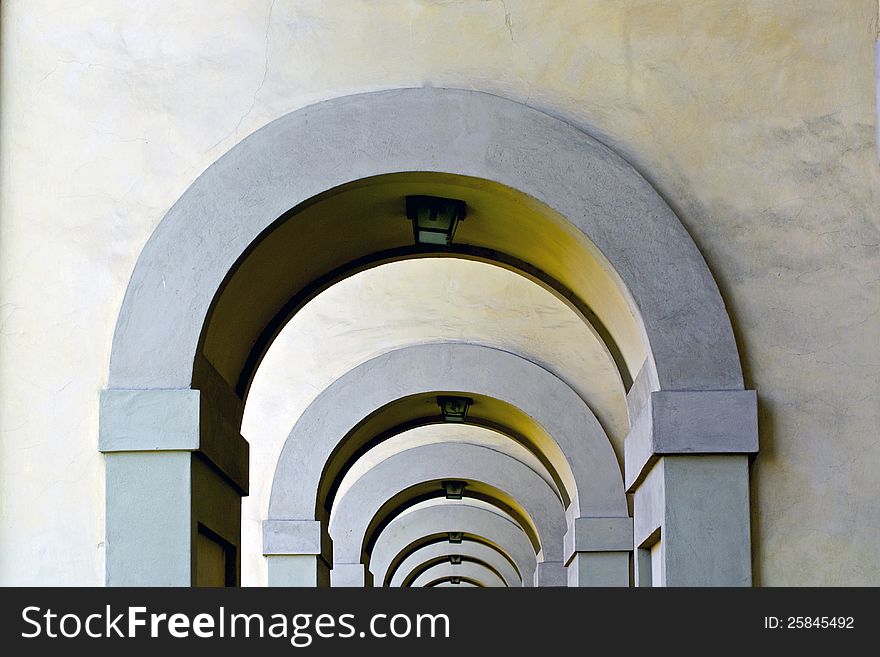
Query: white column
[(148, 438), (687, 465), (148, 519), (597, 551), (299, 553), (171, 467), (350, 574), (550, 573)]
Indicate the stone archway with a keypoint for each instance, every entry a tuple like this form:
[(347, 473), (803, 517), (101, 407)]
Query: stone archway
[(565, 432), (518, 484), (170, 415), (476, 572), (478, 551), (408, 533)]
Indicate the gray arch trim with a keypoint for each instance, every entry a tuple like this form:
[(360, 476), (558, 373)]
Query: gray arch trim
[(445, 582), (396, 254), (468, 569), (438, 541), (445, 560), (408, 528), (447, 367), (472, 549), (357, 508), (317, 148)]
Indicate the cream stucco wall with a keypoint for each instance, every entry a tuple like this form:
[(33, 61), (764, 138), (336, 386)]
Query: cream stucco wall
[(755, 120)]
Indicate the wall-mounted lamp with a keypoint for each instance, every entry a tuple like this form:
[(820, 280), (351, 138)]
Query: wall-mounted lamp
[(455, 580), (434, 219), (455, 559), (454, 409), (455, 537), (454, 489)]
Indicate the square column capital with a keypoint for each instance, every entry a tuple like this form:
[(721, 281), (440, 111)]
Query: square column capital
[(598, 535), (172, 421), (690, 422), (295, 537)]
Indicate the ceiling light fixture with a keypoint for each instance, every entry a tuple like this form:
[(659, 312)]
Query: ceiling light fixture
[(454, 408), (434, 219), (454, 489)]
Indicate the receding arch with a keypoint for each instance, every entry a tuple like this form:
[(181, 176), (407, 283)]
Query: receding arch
[(447, 582), (357, 510), (437, 520), (420, 569), (466, 570), (467, 252), (585, 218), (471, 432), (431, 490), (443, 550), (578, 444), (487, 415), (616, 217), (440, 542)]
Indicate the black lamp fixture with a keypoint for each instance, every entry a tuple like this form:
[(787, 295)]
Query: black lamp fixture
[(434, 218), (455, 559), (454, 489), (455, 580), (453, 408), (455, 537)]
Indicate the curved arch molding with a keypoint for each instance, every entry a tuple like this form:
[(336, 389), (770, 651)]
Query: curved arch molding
[(466, 570), (357, 508), (576, 441), (318, 148), (472, 549), (402, 536), (176, 465)]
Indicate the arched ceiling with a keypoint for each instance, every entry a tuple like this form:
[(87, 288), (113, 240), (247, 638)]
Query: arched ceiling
[(414, 410), (448, 433), (410, 302), (511, 541), (506, 503), (355, 221), (480, 504)]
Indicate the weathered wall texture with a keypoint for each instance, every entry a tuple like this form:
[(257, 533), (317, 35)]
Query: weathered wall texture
[(755, 120)]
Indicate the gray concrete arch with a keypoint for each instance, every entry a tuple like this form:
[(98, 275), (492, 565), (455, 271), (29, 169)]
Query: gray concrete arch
[(356, 511), (178, 350), (445, 583), (467, 569), (406, 529), (473, 549), (447, 560), (576, 443), (620, 219)]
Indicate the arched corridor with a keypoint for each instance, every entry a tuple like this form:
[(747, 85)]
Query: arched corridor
[(629, 386)]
